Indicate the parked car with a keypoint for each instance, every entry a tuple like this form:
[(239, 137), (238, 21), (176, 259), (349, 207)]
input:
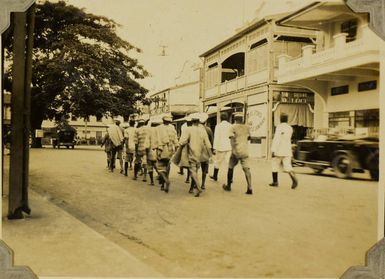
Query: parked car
[(65, 136), (344, 156)]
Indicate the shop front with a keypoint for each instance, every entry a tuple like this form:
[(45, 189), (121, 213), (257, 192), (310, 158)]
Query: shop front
[(299, 106)]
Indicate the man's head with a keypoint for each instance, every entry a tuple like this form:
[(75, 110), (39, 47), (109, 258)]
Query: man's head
[(224, 116), (238, 117), (188, 120), (117, 122), (195, 118), (132, 123), (140, 122), (156, 122), (167, 119), (284, 118)]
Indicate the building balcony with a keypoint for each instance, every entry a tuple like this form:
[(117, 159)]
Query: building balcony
[(237, 84), (359, 56)]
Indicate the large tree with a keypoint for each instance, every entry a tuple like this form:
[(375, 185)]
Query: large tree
[(81, 66)]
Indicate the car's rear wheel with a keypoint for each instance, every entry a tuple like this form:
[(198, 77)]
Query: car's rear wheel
[(342, 165)]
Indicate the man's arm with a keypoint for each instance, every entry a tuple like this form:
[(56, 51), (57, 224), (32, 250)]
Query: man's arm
[(184, 139)]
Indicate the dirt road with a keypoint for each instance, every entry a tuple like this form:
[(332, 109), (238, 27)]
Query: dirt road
[(320, 229)]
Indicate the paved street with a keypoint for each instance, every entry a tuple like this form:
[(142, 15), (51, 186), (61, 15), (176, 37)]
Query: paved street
[(320, 229)]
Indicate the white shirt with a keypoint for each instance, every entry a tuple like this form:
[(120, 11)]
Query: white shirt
[(281, 145), (222, 136), (116, 135)]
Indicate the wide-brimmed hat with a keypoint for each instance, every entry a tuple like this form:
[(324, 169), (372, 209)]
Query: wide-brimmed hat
[(238, 115), (195, 116), (167, 118), (156, 120)]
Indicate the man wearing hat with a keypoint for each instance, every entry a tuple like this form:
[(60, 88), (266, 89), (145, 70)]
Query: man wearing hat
[(167, 141), (152, 150), (199, 149), (282, 152), (141, 145), (222, 144), (205, 163), (239, 137), (107, 143), (183, 130), (116, 136), (129, 139)]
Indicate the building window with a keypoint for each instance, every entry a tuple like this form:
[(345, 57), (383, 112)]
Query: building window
[(295, 39), (233, 67), (340, 90), (212, 75), (258, 57), (349, 27), (289, 47), (340, 119), (368, 85), (367, 118)]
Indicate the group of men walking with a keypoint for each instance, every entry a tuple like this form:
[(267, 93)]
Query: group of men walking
[(150, 149)]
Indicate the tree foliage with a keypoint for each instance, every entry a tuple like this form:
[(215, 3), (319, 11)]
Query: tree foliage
[(81, 66)]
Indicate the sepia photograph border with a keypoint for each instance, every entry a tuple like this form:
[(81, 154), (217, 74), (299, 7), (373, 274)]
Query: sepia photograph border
[(375, 257)]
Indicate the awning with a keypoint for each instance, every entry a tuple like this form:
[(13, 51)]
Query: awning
[(299, 114)]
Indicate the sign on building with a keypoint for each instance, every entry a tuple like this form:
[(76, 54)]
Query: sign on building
[(287, 97), (257, 119)]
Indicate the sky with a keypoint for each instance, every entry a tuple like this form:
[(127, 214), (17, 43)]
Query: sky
[(187, 28)]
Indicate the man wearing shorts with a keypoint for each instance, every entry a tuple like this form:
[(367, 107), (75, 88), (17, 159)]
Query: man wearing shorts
[(239, 137), (141, 146), (129, 138), (222, 145), (116, 136), (199, 149), (282, 152), (167, 142)]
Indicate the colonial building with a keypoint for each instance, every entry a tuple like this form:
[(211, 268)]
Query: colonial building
[(240, 74), (91, 131), (341, 68), (179, 100)]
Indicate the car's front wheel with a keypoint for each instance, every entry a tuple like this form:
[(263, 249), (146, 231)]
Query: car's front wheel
[(342, 165)]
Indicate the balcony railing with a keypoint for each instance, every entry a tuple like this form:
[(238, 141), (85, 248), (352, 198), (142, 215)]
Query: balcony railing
[(340, 50)]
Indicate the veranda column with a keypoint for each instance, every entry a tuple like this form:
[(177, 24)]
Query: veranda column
[(20, 102)]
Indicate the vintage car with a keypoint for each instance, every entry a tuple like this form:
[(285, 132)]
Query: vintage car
[(344, 156), (65, 136)]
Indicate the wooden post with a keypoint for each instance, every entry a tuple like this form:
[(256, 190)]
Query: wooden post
[(20, 102)]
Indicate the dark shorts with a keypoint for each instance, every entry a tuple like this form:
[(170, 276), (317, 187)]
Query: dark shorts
[(163, 165), (234, 161), (118, 150)]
